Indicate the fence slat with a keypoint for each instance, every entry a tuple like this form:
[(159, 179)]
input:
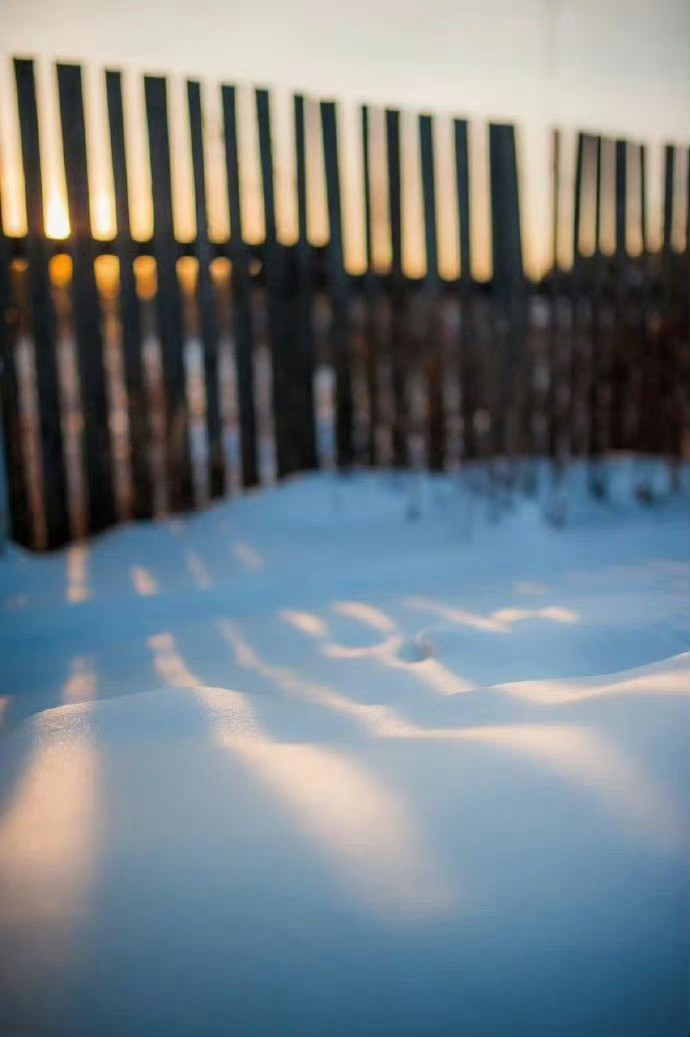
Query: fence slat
[(577, 199), (96, 443), (620, 381), (165, 250), (434, 364), (275, 266), (304, 412), (370, 293), (669, 174), (505, 209), (508, 286), (599, 353), (54, 482), (621, 196), (339, 288), (467, 338), (242, 311), (137, 410), (462, 186), (16, 523), (396, 346), (209, 327), (643, 197)]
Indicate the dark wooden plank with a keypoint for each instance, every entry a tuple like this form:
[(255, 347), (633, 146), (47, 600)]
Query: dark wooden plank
[(241, 290), (366, 160), (467, 339), (339, 290), (598, 196), (397, 288), (599, 347), (394, 190), (279, 322), (555, 415), (96, 444), (426, 141), (168, 308), (669, 176), (621, 196), (436, 422), (206, 301), (508, 290), (577, 199), (137, 409), (687, 205), (17, 522), (643, 196), (304, 360), (370, 294), (650, 405), (54, 482), (505, 209), (462, 186), (577, 359), (620, 384)]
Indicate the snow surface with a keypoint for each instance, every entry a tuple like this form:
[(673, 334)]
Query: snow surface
[(299, 765)]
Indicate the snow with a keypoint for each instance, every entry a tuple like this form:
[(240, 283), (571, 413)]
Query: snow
[(299, 765)]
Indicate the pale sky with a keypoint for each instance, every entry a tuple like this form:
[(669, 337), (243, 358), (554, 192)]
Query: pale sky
[(617, 66)]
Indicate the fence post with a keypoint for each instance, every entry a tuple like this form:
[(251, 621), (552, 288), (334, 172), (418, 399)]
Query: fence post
[(509, 290), (397, 288), (86, 309), (137, 409), (370, 296), (304, 411), (209, 328), (55, 519), (166, 252), (432, 303), (467, 335), (275, 269), (339, 290), (242, 312), (14, 502)]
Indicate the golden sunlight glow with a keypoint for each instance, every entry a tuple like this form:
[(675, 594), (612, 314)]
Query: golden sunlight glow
[(103, 215), (107, 269), (169, 664), (144, 582), (671, 681), (61, 270), (82, 682), (47, 839), (77, 574), (56, 219), (145, 273), (306, 622), (363, 828)]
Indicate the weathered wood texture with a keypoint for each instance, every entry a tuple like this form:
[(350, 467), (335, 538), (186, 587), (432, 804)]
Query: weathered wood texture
[(607, 369)]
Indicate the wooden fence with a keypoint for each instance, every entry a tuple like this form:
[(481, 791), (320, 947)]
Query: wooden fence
[(103, 411)]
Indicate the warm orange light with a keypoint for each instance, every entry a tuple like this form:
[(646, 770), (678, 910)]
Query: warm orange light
[(61, 270), (188, 273), (146, 276), (107, 275)]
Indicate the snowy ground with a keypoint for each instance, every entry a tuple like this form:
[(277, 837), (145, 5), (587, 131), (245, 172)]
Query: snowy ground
[(299, 765)]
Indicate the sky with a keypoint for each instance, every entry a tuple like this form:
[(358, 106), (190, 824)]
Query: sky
[(615, 66)]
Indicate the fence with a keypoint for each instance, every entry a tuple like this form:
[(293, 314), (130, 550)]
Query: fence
[(141, 377)]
